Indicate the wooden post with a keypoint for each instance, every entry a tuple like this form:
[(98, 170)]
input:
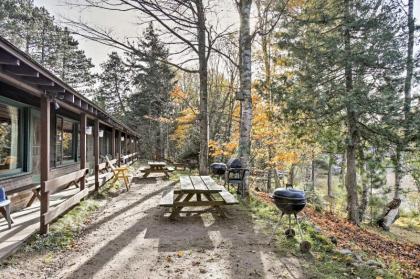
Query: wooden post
[(45, 159), (119, 148), (96, 152), (126, 143), (83, 124), (113, 143)]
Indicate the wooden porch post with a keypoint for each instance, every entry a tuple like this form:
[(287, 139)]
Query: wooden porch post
[(119, 148), (45, 159), (96, 152), (126, 143), (113, 143), (83, 124)]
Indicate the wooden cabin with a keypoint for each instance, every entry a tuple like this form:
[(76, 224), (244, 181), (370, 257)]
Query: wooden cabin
[(50, 135)]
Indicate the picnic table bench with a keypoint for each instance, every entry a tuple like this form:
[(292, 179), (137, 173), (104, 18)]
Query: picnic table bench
[(197, 191), (157, 167)]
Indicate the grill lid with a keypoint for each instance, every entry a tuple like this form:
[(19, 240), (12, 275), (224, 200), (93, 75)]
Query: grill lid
[(289, 193), (234, 163), (218, 166)]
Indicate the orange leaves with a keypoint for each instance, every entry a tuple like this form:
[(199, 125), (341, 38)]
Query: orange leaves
[(184, 122), (177, 95), (218, 150)]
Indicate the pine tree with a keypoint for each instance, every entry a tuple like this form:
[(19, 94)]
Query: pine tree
[(342, 54), (153, 82), (114, 88)]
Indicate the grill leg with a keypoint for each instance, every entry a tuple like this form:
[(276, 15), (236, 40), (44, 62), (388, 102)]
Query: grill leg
[(297, 222), (275, 229)]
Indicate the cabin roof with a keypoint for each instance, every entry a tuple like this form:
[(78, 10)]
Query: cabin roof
[(20, 70)]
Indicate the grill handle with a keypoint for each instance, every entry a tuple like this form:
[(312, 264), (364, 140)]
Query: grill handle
[(289, 186)]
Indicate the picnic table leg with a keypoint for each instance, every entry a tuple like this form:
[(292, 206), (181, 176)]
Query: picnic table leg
[(176, 209), (127, 183), (218, 208), (35, 195), (146, 173)]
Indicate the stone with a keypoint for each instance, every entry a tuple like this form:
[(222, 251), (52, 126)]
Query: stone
[(375, 263), (345, 252)]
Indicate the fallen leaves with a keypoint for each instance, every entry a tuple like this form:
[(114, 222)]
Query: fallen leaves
[(350, 235)]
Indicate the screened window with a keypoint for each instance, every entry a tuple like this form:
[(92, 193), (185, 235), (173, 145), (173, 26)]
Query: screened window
[(10, 139), (66, 141)]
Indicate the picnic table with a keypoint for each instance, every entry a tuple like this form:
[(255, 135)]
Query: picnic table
[(156, 167), (197, 191)]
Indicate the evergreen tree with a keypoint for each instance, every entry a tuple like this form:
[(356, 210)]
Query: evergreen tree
[(33, 30), (114, 88), (342, 55), (153, 82)]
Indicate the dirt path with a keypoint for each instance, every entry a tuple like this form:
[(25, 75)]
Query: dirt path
[(131, 238)]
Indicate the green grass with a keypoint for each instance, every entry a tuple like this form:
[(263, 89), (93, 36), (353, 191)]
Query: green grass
[(324, 261), (64, 231)]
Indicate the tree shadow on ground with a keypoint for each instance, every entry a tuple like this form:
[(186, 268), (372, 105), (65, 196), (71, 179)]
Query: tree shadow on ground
[(239, 242)]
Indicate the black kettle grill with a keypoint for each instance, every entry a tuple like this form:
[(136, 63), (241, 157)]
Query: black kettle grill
[(290, 202), (218, 168)]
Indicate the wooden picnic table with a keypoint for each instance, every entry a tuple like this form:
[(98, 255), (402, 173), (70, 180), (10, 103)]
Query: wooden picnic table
[(156, 167), (197, 191)]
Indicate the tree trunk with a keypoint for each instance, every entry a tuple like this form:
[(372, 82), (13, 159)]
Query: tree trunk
[(291, 178), (313, 174), (329, 177), (245, 41), (409, 64), (352, 141), (204, 118), (365, 186), (396, 160), (343, 169), (389, 217)]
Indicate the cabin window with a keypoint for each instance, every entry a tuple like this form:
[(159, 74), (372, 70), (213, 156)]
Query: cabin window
[(105, 144), (11, 137), (66, 139)]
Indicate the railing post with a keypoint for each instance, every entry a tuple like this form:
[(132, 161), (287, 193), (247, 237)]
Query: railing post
[(45, 159), (126, 143), (83, 124), (119, 148), (113, 143), (96, 152)]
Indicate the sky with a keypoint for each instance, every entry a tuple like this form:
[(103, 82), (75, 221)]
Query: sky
[(123, 24)]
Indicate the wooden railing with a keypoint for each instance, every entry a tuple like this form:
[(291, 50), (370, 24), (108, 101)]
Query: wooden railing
[(57, 184)]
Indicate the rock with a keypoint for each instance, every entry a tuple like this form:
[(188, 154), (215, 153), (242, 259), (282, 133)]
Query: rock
[(202, 270), (345, 252), (375, 263), (358, 257)]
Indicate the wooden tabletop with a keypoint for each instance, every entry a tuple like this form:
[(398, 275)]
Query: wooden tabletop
[(199, 184), (156, 163)]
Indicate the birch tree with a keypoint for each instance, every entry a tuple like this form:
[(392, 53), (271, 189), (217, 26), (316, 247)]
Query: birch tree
[(245, 75)]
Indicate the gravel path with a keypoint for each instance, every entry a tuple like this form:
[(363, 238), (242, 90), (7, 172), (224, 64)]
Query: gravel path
[(131, 238)]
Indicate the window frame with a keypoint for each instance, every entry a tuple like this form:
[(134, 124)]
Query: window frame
[(24, 135), (75, 141)]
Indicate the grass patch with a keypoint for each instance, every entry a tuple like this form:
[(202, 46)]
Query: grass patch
[(64, 230)]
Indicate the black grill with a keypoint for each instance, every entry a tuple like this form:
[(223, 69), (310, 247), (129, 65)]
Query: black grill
[(290, 202), (218, 168), (234, 163)]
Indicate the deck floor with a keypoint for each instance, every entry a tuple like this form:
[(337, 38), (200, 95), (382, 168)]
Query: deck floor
[(26, 223)]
